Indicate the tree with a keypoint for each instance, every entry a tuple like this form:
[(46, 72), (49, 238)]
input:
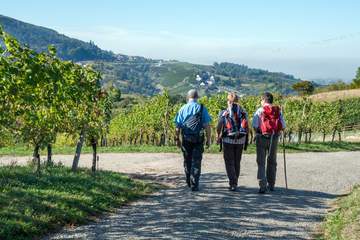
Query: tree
[(44, 96), (34, 88), (304, 88), (356, 81)]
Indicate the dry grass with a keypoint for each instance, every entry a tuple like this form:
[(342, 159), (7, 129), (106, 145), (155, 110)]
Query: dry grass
[(336, 95)]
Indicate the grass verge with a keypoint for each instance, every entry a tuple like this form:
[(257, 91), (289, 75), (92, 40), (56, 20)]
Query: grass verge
[(31, 205), (344, 221), (291, 148)]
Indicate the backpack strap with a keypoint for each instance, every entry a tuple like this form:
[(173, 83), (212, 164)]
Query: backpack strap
[(200, 113)]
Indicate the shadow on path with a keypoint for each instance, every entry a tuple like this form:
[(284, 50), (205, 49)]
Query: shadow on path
[(212, 213)]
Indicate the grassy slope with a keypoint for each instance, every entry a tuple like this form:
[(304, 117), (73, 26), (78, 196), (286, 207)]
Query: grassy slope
[(174, 73), (344, 222), (336, 95), (32, 206), (304, 147)]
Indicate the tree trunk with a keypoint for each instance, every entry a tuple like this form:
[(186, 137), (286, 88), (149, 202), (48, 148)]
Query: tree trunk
[(299, 136), (339, 134), (49, 155), (153, 139), (36, 158), (289, 136), (93, 144), (333, 136), (162, 139), (78, 151), (103, 141), (324, 136), (306, 137), (310, 135), (141, 141)]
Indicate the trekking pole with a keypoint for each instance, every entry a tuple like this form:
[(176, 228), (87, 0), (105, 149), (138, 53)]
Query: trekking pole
[(285, 173)]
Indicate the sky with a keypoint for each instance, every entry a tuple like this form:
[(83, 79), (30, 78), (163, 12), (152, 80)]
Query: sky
[(311, 39)]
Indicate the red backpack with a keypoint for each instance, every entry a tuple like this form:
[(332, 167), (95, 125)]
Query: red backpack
[(270, 120), (235, 124)]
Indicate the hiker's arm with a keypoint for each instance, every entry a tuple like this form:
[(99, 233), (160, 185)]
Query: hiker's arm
[(255, 122), (177, 133), (206, 119), (246, 144), (282, 120)]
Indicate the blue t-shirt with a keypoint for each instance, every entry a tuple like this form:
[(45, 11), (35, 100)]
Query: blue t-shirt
[(188, 110)]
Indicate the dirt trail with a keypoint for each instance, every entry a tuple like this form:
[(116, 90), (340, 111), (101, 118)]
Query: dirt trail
[(214, 212)]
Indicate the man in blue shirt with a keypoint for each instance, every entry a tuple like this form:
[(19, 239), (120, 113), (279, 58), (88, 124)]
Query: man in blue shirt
[(191, 121)]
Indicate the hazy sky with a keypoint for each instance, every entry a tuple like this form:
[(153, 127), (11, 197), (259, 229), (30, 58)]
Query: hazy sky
[(306, 38)]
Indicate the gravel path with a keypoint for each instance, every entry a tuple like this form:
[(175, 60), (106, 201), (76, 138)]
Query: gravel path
[(214, 212)]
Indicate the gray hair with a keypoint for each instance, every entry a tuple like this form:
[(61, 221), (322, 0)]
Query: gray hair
[(193, 93)]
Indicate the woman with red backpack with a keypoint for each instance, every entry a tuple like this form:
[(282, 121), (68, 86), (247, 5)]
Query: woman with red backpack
[(232, 132), (267, 122)]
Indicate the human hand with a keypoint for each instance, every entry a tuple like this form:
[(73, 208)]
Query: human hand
[(178, 143)]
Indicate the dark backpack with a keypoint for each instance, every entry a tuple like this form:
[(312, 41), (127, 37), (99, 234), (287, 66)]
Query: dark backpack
[(270, 120), (236, 124), (192, 127)]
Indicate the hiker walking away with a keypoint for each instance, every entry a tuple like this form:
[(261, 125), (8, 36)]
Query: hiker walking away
[(267, 122), (232, 129), (191, 122)]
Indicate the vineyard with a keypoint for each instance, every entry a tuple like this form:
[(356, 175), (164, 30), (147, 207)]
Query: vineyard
[(42, 97), (152, 123)]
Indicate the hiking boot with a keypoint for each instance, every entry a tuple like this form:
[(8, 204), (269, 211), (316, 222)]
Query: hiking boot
[(188, 182), (232, 188), (195, 188), (271, 187), (262, 190)]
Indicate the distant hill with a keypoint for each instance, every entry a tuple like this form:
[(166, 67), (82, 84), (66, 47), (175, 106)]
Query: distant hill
[(146, 76), (39, 38)]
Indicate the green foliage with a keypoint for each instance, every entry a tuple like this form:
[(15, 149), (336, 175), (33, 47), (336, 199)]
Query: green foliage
[(356, 82), (339, 85), (44, 96), (144, 123), (151, 122), (32, 206)]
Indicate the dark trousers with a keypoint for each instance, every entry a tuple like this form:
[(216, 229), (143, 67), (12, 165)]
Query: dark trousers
[(266, 165), (232, 158), (192, 161)]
